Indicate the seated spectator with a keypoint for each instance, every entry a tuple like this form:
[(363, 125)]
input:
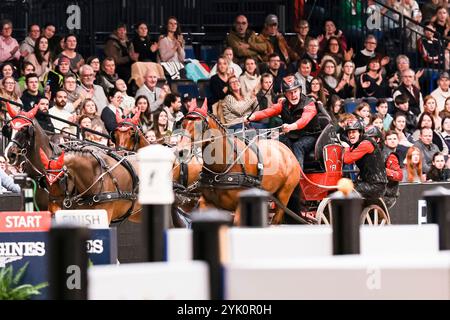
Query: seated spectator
[(85, 123), (54, 79), (74, 99), (430, 107), (147, 49), (40, 58), (376, 120), (150, 136), (346, 87), (431, 49), (412, 171), (427, 147), (334, 51), (145, 118), (445, 133), (172, 106), (429, 9), (394, 171), (7, 90), (398, 125), (266, 98), (234, 69), (236, 107), (402, 107), (277, 70), (27, 68), (218, 84), (94, 62), (7, 183), (426, 121), (317, 91), (298, 43), (250, 79), (329, 76), (303, 76), (88, 89), (330, 30), (70, 47), (275, 41), (109, 113), (312, 54), (49, 31), (408, 88), (107, 75), (402, 64), (121, 50), (372, 82), (154, 94), (244, 42), (127, 101), (59, 110), (28, 45), (8, 70), (171, 43), (31, 95), (89, 108), (441, 21), (442, 92), (9, 47), (362, 113), (362, 57), (160, 126), (382, 109), (42, 115), (335, 107), (438, 172)]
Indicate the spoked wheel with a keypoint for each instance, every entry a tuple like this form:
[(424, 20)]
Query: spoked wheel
[(323, 214), (375, 215)]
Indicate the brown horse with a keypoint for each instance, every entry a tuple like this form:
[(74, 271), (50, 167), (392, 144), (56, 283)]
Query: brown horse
[(128, 136), (87, 177), (230, 165), (26, 137)]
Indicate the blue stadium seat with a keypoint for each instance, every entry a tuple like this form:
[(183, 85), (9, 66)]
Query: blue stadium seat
[(209, 54), (351, 104), (181, 87), (190, 54), (203, 88)]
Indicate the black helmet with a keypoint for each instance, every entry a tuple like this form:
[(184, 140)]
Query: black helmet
[(356, 125), (373, 132), (290, 83)]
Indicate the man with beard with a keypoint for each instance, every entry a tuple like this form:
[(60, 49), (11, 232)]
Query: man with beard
[(42, 116), (366, 154), (300, 121), (58, 110)]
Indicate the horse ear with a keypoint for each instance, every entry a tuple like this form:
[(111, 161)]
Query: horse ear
[(44, 158), (60, 161), (118, 117), (204, 109), (135, 119), (11, 110), (32, 113), (193, 108)]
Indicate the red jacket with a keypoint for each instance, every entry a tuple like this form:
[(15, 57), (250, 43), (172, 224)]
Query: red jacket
[(353, 155), (393, 170)]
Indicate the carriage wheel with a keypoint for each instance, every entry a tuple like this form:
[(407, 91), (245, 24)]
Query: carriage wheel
[(376, 216), (323, 214)]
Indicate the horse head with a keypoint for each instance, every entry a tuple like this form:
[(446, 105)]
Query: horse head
[(21, 133), (128, 135)]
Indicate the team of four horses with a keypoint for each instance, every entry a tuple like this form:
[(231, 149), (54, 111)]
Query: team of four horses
[(211, 168)]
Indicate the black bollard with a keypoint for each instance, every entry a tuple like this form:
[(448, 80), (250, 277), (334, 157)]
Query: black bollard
[(253, 205), (346, 217), (155, 224), (68, 260), (438, 212), (208, 242)]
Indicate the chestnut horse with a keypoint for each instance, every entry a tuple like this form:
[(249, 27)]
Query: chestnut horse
[(87, 177), (229, 164), (26, 137)]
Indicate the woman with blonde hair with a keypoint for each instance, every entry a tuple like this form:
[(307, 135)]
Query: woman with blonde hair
[(412, 172)]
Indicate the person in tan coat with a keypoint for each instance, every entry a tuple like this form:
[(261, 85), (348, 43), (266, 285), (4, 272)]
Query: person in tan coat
[(245, 42)]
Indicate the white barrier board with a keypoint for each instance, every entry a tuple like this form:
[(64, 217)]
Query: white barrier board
[(150, 281), (340, 277)]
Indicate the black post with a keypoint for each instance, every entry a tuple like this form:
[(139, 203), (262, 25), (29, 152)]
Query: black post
[(254, 208), (155, 223), (438, 212), (68, 260), (346, 216), (207, 245)]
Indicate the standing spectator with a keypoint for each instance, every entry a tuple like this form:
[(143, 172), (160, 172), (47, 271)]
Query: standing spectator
[(109, 113), (431, 49), (441, 22), (171, 44), (40, 58), (277, 70), (298, 42), (28, 45), (413, 93), (88, 89), (245, 42), (107, 76), (438, 172), (413, 172), (429, 9), (250, 79), (31, 96), (394, 171), (276, 42), (346, 87), (143, 46), (233, 68), (172, 106), (9, 47), (154, 94), (442, 92), (427, 147), (70, 46), (118, 47)]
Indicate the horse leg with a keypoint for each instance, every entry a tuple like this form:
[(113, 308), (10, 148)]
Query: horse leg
[(237, 217), (283, 195)]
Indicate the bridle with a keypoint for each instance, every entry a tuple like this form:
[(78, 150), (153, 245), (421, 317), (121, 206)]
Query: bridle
[(125, 126), (28, 143)]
